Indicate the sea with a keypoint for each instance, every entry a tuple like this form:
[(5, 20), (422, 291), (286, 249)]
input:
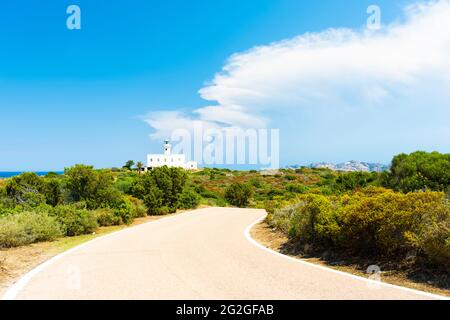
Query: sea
[(9, 174)]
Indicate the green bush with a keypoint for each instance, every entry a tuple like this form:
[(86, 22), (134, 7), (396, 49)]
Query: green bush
[(188, 199), (75, 221), (26, 190), (139, 208), (125, 211), (163, 210), (348, 181), (125, 182), (107, 217), (380, 221), (238, 194), (312, 220), (153, 201), (95, 187), (371, 222), (289, 177), (419, 171), (160, 187), (27, 227), (296, 188)]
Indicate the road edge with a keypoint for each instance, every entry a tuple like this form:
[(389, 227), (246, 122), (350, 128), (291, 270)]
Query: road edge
[(13, 290), (247, 234)]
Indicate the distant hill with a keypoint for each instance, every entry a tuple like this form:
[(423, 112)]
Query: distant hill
[(349, 166)]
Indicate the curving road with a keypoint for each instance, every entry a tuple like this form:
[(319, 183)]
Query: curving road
[(203, 254)]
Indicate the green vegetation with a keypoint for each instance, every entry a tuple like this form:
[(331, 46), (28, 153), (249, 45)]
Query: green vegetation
[(27, 227), (401, 216), (238, 194), (372, 222), (34, 208), (404, 222), (419, 171)]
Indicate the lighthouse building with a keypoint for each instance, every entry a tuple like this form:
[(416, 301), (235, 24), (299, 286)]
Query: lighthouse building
[(169, 159)]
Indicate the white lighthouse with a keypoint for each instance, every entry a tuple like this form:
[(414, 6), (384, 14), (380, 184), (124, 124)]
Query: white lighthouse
[(168, 159)]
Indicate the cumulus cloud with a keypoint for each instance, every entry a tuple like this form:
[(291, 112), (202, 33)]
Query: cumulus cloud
[(335, 68)]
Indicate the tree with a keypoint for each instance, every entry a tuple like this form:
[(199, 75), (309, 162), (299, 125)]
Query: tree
[(139, 166), (53, 191), (81, 181), (347, 181), (94, 187), (129, 164), (160, 187), (238, 194), (419, 171), (26, 189)]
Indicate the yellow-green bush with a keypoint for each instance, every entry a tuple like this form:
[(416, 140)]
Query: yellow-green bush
[(139, 208), (313, 219), (373, 221), (27, 227), (75, 221), (381, 221), (106, 217)]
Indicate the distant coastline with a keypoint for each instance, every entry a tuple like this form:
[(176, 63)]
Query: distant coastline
[(9, 174)]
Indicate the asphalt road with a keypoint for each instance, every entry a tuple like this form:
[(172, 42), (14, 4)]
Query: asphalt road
[(204, 254)]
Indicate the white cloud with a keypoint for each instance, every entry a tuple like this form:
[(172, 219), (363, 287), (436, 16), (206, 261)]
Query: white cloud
[(333, 69)]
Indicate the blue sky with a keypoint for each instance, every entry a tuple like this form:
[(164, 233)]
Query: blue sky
[(79, 96)]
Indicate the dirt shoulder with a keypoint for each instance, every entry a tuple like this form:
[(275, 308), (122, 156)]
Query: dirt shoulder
[(278, 241), (15, 262)]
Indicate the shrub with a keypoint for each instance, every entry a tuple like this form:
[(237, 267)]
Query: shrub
[(257, 183), (349, 181), (296, 188), (419, 171), (75, 221), (238, 194), (95, 187), (312, 220), (160, 187), (27, 227), (371, 222), (289, 177), (435, 244), (153, 201), (188, 200), (139, 208), (53, 190), (125, 182), (107, 217), (125, 211), (26, 190), (162, 210), (377, 220)]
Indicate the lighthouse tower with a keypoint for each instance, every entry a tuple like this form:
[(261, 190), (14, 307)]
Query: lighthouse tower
[(167, 148)]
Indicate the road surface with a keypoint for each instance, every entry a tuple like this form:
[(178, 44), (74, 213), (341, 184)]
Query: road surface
[(203, 254)]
